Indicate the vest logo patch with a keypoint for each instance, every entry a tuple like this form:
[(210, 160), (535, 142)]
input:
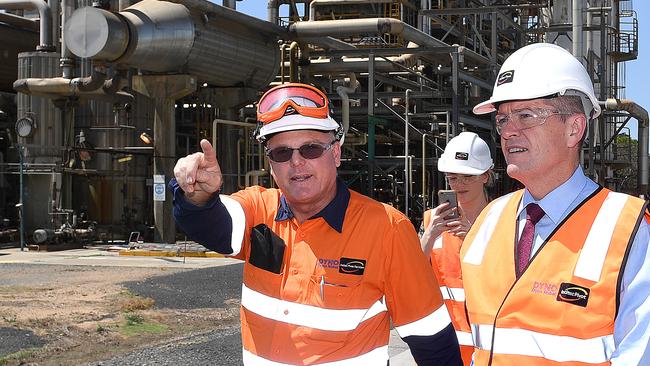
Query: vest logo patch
[(462, 155), (505, 77), (352, 266), (573, 294), (545, 288)]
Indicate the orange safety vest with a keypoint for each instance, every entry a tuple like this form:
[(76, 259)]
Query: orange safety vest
[(445, 260), (329, 297), (562, 308)]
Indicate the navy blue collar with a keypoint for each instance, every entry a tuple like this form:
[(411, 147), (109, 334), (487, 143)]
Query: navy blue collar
[(333, 213)]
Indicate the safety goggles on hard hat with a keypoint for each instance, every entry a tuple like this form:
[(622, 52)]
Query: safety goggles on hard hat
[(308, 151), (292, 98)]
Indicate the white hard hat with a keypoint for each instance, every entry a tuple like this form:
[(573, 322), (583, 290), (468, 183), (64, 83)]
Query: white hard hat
[(465, 154), (540, 70)]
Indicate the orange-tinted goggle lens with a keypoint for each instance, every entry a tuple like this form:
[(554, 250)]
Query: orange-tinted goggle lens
[(305, 100)]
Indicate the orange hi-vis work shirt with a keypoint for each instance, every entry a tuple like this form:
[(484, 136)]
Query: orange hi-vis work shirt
[(313, 294), (445, 260), (562, 308)]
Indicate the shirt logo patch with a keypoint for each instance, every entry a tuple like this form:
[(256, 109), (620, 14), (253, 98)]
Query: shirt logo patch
[(573, 294), (328, 263), (352, 266), (462, 155), (505, 77)]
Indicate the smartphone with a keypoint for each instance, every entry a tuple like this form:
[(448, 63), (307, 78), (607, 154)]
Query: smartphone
[(445, 195)]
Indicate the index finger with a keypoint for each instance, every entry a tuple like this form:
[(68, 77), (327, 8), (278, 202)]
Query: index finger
[(209, 154)]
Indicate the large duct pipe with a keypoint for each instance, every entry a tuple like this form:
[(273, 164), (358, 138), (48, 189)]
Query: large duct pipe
[(346, 27), (641, 115), (45, 15), (577, 29), (199, 38)]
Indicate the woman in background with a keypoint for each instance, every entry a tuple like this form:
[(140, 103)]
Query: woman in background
[(467, 165)]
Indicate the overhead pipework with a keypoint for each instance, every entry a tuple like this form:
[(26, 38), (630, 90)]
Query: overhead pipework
[(45, 19), (220, 46)]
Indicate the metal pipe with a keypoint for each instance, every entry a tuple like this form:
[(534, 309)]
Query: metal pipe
[(407, 168), (67, 58), (345, 101), (273, 13), (292, 61), (315, 3), (19, 22), (218, 121), (425, 195), (45, 21), (346, 27), (21, 156), (231, 4), (577, 29), (641, 115)]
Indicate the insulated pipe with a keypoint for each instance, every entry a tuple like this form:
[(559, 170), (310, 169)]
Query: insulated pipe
[(577, 29), (92, 82), (346, 27), (641, 115), (61, 87), (19, 22), (343, 92), (315, 3), (45, 15)]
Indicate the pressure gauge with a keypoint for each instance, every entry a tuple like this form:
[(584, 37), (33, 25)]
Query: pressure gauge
[(25, 126)]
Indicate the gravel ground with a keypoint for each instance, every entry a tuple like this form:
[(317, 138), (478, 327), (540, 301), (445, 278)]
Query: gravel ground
[(215, 287), (13, 340), (221, 347)]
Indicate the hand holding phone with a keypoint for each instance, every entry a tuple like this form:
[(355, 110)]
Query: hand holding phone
[(450, 197)]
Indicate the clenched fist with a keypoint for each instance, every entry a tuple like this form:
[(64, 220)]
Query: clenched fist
[(199, 174)]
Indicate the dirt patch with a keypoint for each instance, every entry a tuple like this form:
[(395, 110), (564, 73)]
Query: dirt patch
[(86, 314)]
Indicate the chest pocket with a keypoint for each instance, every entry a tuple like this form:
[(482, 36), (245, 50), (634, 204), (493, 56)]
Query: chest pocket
[(267, 249)]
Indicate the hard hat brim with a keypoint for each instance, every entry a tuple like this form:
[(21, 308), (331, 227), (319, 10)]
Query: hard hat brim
[(295, 122)]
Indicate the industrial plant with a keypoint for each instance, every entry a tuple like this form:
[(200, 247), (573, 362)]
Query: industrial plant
[(98, 99)]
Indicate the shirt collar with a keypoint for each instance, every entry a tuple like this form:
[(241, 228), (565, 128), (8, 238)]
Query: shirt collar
[(333, 213), (557, 202)]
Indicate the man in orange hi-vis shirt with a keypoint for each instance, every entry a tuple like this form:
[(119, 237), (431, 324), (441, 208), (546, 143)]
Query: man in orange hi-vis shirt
[(326, 268)]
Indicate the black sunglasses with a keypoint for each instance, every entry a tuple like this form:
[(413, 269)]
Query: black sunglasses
[(308, 151)]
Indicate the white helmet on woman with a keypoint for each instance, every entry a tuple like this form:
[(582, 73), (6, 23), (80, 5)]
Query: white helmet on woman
[(466, 154), (541, 70)]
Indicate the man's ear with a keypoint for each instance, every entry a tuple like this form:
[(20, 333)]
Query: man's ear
[(336, 149), (576, 127)]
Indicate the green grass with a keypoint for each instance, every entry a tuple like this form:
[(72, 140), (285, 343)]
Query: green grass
[(17, 356), (135, 324)]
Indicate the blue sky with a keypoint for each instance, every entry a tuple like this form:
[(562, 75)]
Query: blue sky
[(637, 73)]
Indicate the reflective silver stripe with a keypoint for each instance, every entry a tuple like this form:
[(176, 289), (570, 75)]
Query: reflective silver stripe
[(307, 315), (592, 256), (476, 251), (452, 293), (238, 219), (551, 347), (429, 325), (378, 356), (464, 338), (437, 244)]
